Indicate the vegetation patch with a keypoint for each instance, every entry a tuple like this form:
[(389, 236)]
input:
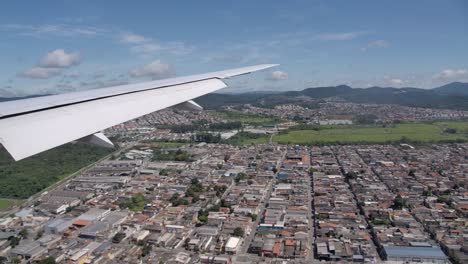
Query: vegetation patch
[(7, 203), (245, 138), (178, 155), (136, 203), (407, 132), (239, 116), (24, 178)]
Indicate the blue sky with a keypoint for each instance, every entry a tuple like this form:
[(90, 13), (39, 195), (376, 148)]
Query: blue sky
[(60, 46)]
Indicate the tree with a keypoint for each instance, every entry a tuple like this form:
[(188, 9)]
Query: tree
[(39, 234), (399, 203), (146, 250), (450, 131), (48, 260), (14, 241), (253, 216), (15, 260), (366, 119), (240, 176), (351, 175), (24, 233), (136, 203), (238, 232), (220, 190)]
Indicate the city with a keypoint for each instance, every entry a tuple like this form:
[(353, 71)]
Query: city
[(166, 202), (234, 132)]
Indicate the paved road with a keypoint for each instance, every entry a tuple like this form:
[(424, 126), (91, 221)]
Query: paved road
[(310, 253), (248, 240)]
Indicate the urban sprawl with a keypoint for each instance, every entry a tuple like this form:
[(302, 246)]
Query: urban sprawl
[(196, 202)]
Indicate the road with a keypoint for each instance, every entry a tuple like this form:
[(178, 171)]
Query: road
[(310, 218), (248, 240)]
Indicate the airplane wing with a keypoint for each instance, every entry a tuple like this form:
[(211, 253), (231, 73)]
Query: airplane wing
[(33, 125)]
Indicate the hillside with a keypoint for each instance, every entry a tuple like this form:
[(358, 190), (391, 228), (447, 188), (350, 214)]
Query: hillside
[(455, 88), (450, 96)]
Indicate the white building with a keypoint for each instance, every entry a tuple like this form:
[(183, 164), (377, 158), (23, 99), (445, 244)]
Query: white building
[(232, 245)]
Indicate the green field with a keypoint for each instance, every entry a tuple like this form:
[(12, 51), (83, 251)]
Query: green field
[(412, 132), (20, 180), (234, 115), (247, 138), (7, 203)]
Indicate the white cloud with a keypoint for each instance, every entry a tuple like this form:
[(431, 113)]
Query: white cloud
[(381, 43), (155, 70), (60, 59), (51, 29), (132, 38), (146, 48), (52, 64), (340, 36), (40, 73), (277, 76), (144, 45), (396, 81), (452, 74)]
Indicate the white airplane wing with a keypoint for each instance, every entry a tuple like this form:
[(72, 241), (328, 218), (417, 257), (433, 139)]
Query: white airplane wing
[(33, 125)]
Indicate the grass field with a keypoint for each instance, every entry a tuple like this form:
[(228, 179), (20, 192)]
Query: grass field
[(233, 115), (420, 132), (246, 138), (7, 203)]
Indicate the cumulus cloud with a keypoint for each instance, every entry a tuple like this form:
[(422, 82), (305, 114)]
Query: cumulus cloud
[(381, 43), (52, 64), (40, 73), (277, 76), (60, 59), (155, 70), (452, 74), (340, 36)]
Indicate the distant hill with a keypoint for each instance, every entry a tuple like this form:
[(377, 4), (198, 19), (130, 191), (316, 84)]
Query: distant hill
[(323, 92), (455, 88), (450, 96)]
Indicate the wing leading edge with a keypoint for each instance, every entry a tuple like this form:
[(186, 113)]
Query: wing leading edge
[(30, 126)]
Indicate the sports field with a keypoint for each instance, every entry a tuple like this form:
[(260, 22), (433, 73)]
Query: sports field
[(419, 132)]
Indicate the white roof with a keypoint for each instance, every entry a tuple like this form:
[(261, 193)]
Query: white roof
[(232, 243)]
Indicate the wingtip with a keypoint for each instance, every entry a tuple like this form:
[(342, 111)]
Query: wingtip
[(266, 66)]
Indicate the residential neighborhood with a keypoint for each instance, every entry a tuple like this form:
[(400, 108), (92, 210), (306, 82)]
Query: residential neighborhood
[(217, 203)]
